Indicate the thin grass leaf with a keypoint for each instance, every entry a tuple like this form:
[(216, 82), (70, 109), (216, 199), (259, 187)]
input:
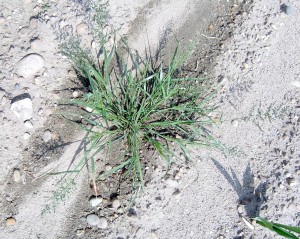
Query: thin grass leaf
[(280, 229)]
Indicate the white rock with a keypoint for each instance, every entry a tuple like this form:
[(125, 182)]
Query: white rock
[(102, 223), (92, 220), (95, 201), (30, 65), (22, 107), (17, 175), (47, 136), (28, 124), (116, 203)]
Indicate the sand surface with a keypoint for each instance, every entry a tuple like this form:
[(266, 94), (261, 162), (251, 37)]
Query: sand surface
[(251, 48)]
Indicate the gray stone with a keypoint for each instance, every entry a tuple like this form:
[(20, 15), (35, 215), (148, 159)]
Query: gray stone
[(30, 65), (22, 106), (92, 219)]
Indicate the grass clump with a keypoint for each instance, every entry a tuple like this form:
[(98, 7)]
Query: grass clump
[(134, 102)]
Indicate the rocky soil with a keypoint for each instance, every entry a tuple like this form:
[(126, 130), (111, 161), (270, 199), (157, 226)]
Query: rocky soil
[(251, 48)]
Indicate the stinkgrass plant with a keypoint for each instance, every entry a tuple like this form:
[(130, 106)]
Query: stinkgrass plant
[(135, 102), (280, 229)]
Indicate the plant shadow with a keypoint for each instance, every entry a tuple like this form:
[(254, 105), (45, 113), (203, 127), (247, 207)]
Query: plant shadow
[(248, 196)]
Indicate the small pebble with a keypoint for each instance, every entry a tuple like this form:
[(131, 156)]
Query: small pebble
[(116, 203), (92, 220), (153, 235), (10, 221), (2, 20), (30, 65), (88, 109), (176, 194), (296, 84), (108, 167), (81, 29), (235, 123), (288, 10), (102, 223), (80, 232), (76, 94), (95, 201), (36, 44), (17, 175), (17, 86), (292, 182), (26, 136), (28, 124), (41, 111), (22, 106), (47, 136), (33, 23)]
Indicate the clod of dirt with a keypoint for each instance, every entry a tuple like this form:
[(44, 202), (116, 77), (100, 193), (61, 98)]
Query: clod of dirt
[(22, 106), (10, 221), (30, 65)]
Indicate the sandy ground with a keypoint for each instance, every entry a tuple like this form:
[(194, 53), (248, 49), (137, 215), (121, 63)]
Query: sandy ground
[(251, 48)]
